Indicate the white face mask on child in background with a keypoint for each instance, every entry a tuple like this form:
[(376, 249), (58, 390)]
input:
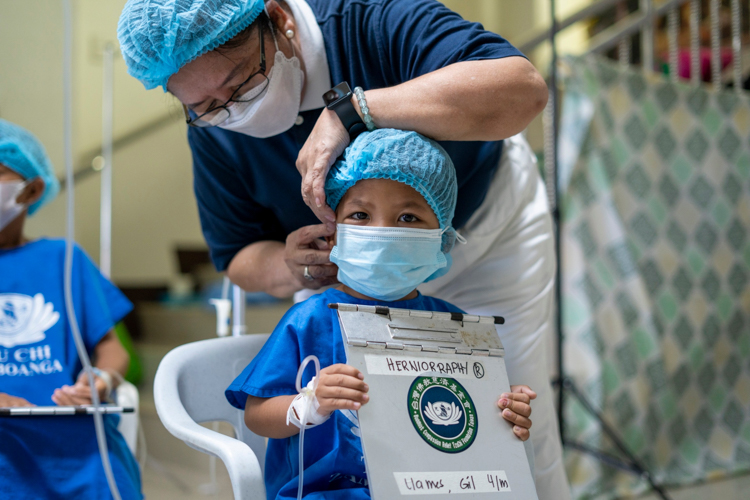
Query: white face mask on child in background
[(387, 263), (9, 207)]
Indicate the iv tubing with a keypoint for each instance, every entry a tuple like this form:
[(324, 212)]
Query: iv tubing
[(70, 236), (305, 362)]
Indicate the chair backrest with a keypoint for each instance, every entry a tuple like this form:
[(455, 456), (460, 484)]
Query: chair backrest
[(204, 371), (127, 395)]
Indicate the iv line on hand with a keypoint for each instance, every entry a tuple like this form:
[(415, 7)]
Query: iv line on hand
[(304, 411)]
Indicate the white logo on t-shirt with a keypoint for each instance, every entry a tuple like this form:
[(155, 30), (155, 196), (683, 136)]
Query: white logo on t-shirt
[(23, 319)]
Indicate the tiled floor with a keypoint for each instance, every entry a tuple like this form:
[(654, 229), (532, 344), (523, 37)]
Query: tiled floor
[(167, 481)]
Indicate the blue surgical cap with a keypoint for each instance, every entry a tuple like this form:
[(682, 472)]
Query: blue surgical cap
[(404, 157), (24, 154), (158, 37)]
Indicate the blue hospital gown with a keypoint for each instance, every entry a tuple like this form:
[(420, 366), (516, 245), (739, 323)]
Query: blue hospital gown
[(334, 463), (55, 457)]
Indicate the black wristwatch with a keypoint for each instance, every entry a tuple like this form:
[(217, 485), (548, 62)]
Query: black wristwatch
[(339, 100)]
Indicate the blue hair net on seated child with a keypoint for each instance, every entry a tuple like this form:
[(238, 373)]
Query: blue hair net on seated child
[(158, 37), (24, 154), (405, 157)]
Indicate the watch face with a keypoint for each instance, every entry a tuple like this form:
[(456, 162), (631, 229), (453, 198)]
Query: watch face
[(338, 92)]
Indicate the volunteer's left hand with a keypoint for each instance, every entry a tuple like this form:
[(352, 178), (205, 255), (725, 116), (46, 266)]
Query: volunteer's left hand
[(326, 142), (516, 409), (79, 393)]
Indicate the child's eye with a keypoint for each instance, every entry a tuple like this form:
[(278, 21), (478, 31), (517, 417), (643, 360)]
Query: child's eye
[(408, 218), (359, 216)]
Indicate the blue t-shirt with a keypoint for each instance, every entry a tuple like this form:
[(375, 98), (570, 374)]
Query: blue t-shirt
[(248, 189), (54, 457), (334, 462)]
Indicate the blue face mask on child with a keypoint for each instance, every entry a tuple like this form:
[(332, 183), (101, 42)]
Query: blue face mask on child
[(387, 263)]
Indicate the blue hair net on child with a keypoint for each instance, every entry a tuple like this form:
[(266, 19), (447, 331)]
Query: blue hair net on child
[(158, 37), (24, 154), (404, 157)]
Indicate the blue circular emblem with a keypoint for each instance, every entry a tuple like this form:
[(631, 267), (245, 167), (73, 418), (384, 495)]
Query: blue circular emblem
[(443, 413)]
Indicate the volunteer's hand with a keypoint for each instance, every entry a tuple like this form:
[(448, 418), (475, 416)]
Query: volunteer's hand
[(305, 248), (326, 142), (341, 387), (8, 401), (79, 393), (516, 409)]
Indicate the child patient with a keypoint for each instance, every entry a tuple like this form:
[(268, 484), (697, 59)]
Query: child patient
[(394, 195), (52, 457)]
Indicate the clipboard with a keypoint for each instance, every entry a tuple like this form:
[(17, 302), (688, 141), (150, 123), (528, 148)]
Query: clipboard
[(62, 411), (432, 428)]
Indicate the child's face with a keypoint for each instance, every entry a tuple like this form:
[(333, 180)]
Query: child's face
[(11, 231), (33, 190), (385, 203)]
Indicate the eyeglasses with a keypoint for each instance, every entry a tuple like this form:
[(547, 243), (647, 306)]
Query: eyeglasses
[(248, 91)]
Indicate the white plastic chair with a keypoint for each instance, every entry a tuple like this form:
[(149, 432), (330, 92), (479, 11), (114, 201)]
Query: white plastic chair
[(189, 389), (126, 394)]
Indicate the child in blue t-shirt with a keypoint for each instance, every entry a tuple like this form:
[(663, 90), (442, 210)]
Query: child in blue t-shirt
[(52, 457), (394, 195)]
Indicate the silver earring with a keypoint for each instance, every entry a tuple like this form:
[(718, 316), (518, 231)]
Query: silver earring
[(289, 34)]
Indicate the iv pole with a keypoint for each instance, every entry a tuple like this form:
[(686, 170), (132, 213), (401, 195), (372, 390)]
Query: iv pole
[(105, 218)]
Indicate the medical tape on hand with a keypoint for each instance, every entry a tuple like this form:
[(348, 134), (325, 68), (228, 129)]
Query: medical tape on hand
[(304, 408), (106, 378)]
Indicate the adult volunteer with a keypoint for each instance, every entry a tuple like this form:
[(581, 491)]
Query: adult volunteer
[(251, 81)]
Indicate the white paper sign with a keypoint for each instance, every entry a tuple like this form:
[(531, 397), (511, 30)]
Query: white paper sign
[(451, 483), (463, 367)]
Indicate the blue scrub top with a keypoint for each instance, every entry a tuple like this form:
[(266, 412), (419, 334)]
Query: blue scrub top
[(334, 461), (55, 457), (248, 189)]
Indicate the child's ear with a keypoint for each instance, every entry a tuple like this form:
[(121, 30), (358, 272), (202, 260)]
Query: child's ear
[(331, 240), (32, 192)]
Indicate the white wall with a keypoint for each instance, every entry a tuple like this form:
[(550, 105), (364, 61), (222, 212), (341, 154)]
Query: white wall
[(31, 71), (153, 203)]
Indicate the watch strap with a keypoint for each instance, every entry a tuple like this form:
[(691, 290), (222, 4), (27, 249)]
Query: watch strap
[(344, 109), (349, 117)]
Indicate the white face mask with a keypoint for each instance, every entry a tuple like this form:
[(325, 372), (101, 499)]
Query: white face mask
[(275, 111), (9, 207), (387, 263)]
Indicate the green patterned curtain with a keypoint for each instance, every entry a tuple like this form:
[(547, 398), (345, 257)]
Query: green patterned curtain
[(656, 268)]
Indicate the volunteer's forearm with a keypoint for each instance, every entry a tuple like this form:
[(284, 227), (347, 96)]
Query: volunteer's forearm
[(110, 355), (260, 267), (267, 417), (466, 101)]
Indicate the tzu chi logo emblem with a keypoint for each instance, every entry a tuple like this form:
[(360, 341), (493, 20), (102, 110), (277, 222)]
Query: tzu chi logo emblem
[(24, 319), (443, 413)]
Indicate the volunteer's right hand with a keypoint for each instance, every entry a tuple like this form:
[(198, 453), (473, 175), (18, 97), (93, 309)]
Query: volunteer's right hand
[(8, 401), (326, 142), (341, 387), (305, 248)]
